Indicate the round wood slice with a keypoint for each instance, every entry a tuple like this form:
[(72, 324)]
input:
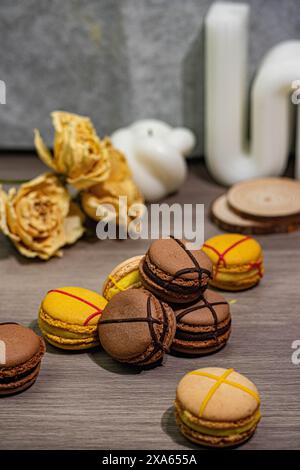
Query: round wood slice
[(226, 219), (229, 221), (265, 198)]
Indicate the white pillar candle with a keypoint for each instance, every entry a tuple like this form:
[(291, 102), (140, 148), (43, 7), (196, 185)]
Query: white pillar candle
[(230, 158)]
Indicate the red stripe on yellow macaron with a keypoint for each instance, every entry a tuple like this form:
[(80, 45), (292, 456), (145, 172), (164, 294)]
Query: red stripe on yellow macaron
[(93, 315), (257, 265), (90, 304), (221, 256)]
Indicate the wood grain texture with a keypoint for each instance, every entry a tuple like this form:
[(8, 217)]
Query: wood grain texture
[(88, 401)]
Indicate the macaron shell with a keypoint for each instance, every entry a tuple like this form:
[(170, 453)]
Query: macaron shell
[(21, 344), (236, 282), (24, 367), (235, 285), (126, 275), (245, 249), (128, 342), (73, 308), (169, 289), (203, 316), (148, 358), (131, 280), (228, 403), (170, 257), (72, 345), (131, 337)]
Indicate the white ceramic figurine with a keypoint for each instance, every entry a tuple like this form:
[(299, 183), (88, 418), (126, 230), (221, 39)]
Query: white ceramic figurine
[(155, 153)]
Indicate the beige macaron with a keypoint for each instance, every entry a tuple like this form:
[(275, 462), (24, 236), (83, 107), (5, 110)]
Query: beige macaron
[(124, 276), (217, 407)]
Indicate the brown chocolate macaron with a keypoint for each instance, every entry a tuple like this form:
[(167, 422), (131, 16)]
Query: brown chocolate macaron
[(136, 328), (202, 327), (173, 272), (21, 351)]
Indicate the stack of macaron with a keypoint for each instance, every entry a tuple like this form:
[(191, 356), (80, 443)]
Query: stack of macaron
[(197, 320), (180, 277), (155, 303)]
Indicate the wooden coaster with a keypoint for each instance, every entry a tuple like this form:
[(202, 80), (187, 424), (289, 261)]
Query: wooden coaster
[(265, 198), (226, 219)]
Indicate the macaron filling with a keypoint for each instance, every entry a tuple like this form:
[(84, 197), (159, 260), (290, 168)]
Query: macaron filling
[(10, 380), (68, 330), (176, 285), (205, 336), (60, 333), (185, 417), (70, 342)]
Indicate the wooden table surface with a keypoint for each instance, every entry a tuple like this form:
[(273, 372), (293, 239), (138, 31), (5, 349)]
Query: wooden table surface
[(88, 401)]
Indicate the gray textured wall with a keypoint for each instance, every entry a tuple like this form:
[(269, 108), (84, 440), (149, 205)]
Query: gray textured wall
[(115, 60)]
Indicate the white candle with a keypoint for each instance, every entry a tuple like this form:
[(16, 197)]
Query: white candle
[(230, 158)]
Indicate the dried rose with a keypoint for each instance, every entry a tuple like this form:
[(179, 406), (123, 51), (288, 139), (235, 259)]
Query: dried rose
[(78, 153), (40, 217)]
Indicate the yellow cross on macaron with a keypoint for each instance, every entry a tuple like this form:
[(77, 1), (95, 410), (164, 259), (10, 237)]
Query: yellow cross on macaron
[(221, 379)]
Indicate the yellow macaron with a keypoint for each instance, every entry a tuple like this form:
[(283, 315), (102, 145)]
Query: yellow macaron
[(124, 276), (68, 317), (237, 261)]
